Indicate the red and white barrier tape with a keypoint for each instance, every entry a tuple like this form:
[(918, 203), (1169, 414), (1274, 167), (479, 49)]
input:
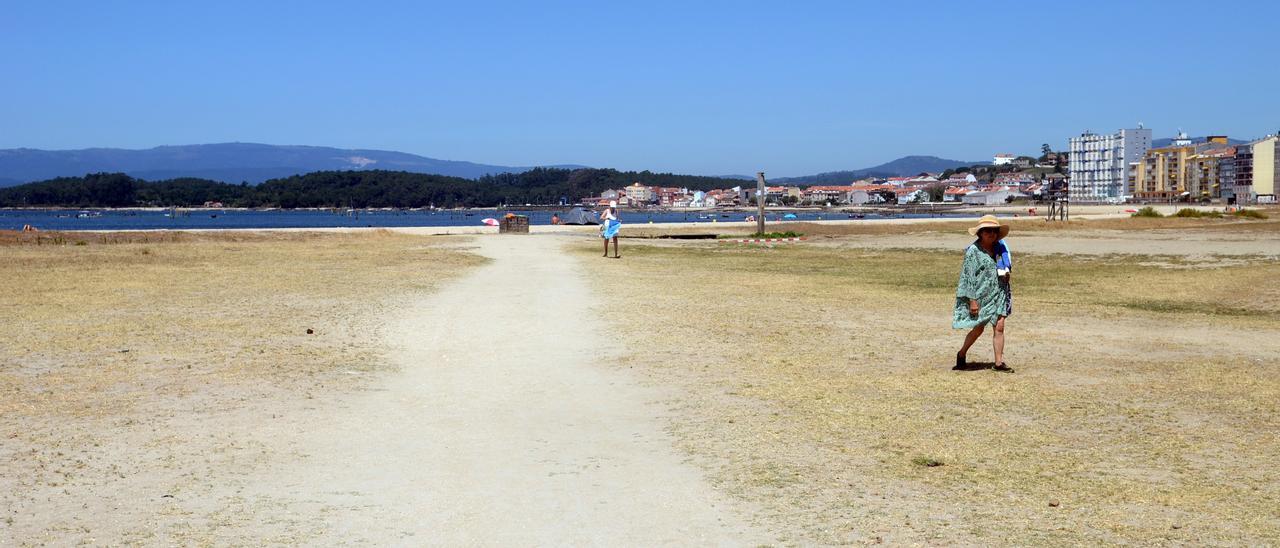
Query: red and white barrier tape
[(764, 241)]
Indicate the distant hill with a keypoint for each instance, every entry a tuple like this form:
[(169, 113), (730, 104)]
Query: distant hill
[(902, 167), (345, 188), (226, 162), (1167, 141)]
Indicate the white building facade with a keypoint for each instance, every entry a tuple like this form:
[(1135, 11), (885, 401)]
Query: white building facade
[(640, 194), (1099, 164)]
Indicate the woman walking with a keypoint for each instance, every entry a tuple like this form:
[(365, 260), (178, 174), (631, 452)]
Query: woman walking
[(983, 296), (609, 226)]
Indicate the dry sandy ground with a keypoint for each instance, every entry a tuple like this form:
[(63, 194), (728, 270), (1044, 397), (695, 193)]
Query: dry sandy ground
[(487, 411), (550, 397), (506, 427), (137, 371), (1201, 244), (813, 378)]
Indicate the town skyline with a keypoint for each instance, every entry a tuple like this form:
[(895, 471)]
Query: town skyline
[(1022, 150)]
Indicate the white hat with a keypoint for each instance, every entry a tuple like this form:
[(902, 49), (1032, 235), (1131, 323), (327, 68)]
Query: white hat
[(613, 203)]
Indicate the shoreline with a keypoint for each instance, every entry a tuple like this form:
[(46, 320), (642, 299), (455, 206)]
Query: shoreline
[(944, 207), (1079, 213), (576, 229)]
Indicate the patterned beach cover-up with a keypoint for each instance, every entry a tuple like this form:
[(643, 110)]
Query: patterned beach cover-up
[(978, 281)]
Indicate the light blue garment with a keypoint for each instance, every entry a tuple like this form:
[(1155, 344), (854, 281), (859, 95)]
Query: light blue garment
[(611, 227), (1003, 260)]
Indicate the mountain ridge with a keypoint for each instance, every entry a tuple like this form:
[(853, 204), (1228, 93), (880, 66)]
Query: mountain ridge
[(254, 163), (229, 162), (901, 167)]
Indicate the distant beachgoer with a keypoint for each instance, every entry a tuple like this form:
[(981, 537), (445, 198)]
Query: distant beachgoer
[(982, 296), (609, 227), (555, 218)]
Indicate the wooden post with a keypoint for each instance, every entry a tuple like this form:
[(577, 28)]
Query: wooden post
[(760, 202)]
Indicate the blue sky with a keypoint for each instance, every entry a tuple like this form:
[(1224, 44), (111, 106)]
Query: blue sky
[(790, 88)]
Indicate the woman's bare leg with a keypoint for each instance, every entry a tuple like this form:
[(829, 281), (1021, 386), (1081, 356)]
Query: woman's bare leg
[(606, 246), (615, 248), (971, 337), (997, 340)]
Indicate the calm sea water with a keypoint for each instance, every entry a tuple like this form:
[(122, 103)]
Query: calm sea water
[(97, 219)]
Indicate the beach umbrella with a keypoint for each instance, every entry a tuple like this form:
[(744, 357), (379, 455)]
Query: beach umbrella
[(490, 221), (1130, 211), (789, 216)]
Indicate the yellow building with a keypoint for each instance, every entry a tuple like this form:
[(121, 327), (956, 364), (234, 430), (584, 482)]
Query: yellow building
[(1257, 175), (1168, 173), (1210, 172)]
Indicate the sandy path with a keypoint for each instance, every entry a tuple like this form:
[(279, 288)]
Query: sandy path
[(502, 428)]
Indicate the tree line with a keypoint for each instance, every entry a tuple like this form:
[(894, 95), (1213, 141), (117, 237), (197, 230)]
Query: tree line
[(357, 189)]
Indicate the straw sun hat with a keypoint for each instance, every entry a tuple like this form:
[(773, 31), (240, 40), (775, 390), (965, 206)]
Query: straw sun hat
[(989, 221)]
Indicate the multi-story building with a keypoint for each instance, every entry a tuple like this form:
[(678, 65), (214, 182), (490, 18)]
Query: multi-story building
[(780, 194), (639, 193), (1227, 176), (1211, 171), (1180, 170), (668, 196), (1257, 176), (1099, 164)]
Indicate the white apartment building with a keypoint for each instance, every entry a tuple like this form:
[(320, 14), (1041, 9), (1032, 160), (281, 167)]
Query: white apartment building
[(1002, 159), (1099, 164), (639, 193)]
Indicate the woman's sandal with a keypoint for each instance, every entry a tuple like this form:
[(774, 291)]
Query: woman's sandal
[(1003, 368)]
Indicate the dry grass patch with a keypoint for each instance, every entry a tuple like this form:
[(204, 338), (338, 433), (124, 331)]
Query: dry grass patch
[(142, 359), (1033, 225), (816, 384)]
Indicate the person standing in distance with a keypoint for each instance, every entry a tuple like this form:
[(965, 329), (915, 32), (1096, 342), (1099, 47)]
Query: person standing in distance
[(609, 227)]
